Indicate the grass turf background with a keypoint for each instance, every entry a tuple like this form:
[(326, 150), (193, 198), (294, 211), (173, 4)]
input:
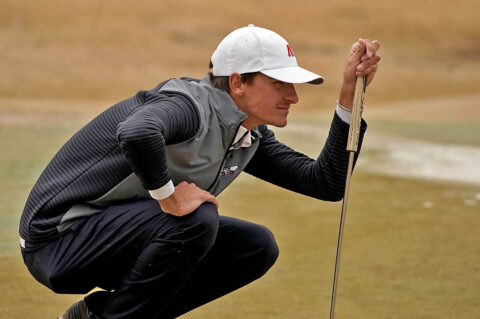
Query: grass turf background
[(64, 61), (400, 259)]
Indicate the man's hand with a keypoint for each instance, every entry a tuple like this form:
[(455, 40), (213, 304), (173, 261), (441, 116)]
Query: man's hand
[(185, 199), (362, 60)]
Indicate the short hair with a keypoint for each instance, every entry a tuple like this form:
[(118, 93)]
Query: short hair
[(223, 83)]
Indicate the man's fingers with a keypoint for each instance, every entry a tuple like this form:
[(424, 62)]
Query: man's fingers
[(186, 198), (369, 71), (210, 198), (368, 63), (366, 46), (362, 60), (213, 199), (372, 47), (369, 48), (358, 48), (205, 196)]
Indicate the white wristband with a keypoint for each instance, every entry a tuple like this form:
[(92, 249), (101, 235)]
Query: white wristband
[(344, 113), (163, 192)]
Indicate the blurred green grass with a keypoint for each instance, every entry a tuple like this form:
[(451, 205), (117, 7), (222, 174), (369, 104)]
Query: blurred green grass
[(27, 150), (400, 258)]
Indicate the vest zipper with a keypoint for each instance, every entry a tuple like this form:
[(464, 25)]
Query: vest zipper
[(225, 157)]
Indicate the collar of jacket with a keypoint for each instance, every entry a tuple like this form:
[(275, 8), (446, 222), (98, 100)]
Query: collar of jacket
[(226, 108)]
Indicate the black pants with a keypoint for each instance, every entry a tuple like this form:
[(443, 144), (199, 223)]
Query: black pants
[(152, 264)]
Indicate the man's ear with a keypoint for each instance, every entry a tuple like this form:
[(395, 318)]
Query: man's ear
[(236, 85)]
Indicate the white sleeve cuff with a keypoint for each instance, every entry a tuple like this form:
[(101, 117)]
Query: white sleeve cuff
[(163, 192), (344, 113)]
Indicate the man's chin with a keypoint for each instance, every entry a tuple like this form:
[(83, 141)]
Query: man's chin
[(280, 124)]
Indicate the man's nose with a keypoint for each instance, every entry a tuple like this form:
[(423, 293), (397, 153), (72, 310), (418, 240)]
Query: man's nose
[(291, 94)]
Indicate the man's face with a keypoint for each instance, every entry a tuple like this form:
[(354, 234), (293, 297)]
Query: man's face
[(267, 101)]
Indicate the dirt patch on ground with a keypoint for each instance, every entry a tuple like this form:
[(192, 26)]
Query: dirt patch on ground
[(397, 156), (426, 160), (392, 153)]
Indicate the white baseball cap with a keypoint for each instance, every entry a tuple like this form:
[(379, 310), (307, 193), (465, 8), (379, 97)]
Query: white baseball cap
[(254, 49)]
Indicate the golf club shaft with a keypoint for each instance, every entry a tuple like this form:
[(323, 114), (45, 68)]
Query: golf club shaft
[(340, 235), (352, 146)]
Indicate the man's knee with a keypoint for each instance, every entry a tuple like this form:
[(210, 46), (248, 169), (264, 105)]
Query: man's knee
[(52, 271), (271, 251), (266, 250), (62, 282)]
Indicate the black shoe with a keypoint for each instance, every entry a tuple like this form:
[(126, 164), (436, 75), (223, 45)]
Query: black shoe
[(78, 310)]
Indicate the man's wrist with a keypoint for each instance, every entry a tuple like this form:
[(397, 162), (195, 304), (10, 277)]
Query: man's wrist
[(167, 204), (347, 93)]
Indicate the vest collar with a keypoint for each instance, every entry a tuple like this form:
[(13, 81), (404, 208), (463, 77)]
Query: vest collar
[(226, 107)]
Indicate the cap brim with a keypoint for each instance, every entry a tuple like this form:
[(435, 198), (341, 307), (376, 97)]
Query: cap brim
[(294, 74)]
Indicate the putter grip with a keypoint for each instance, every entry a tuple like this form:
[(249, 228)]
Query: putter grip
[(354, 133)]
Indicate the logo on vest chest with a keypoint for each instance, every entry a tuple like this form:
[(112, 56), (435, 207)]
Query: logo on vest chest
[(228, 170)]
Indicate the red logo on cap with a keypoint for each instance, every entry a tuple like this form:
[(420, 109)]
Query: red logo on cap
[(290, 52)]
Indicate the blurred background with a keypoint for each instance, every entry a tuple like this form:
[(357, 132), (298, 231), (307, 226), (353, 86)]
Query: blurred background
[(410, 246)]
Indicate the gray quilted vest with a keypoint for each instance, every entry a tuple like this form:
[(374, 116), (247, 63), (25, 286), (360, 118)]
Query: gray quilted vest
[(205, 159)]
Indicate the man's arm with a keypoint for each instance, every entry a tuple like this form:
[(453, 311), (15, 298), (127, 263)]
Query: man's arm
[(170, 119), (323, 178)]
